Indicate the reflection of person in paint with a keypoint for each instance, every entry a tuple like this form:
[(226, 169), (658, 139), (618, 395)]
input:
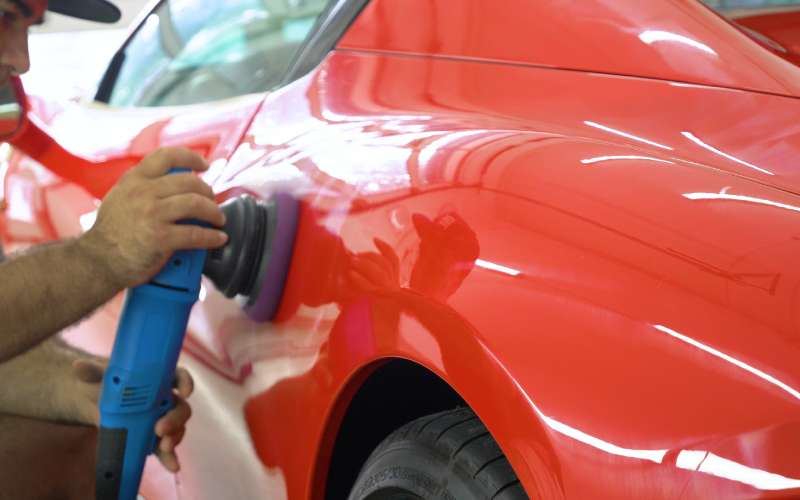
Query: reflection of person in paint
[(448, 249), (368, 289), (446, 255), (50, 287)]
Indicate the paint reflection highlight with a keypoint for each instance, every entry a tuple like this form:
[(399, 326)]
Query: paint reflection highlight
[(626, 135), (736, 197), (656, 456), (600, 159), (692, 460), (497, 267), (709, 463), (730, 359), (716, 151), (87, 220), (654, 36)]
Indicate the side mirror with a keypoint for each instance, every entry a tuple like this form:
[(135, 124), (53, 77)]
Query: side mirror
[(13, 106)]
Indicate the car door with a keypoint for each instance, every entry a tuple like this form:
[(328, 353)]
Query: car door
[(192, 73)]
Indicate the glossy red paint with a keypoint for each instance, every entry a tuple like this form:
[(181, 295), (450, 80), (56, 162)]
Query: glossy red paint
[(602, 266), (594, 280), (677, 40)]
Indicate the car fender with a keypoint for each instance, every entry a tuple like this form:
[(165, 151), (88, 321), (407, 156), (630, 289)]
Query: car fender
[(610, 291)]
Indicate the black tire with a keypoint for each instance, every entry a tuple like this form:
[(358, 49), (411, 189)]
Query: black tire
[(448, 455)]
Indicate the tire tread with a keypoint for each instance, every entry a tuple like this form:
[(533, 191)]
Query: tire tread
[(512, 491), (462, 440)]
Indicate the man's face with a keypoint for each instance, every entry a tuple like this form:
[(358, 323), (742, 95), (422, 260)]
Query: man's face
[(16, 16)]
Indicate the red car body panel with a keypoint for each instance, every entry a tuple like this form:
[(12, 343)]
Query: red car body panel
[(676, 40), (600, 265)]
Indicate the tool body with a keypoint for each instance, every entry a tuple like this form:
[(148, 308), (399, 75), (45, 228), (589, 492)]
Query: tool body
[(137, 385)]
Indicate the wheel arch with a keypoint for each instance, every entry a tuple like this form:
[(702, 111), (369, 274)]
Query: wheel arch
[(373, 404), (375, 408)]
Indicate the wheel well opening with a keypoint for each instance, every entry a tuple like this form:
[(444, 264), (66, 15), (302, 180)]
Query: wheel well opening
[(396, 393)]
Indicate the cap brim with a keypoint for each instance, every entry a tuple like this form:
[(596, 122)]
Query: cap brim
[(91, 10)]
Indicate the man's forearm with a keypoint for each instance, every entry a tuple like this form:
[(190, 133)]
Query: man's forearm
[(36, 383), (47, 289)]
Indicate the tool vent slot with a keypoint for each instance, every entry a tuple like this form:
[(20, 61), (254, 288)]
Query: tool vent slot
[(135, 395)]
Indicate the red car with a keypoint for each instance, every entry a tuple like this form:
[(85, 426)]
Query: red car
[(546, 249)]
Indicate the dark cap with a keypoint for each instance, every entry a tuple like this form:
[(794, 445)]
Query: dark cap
[(92, 10)]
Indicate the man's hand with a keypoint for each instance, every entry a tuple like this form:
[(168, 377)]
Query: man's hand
[(170, 428), (136, 230), (52, 286), (55, 381)]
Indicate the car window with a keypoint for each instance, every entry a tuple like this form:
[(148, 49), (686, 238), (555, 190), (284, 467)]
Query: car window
[(730, 5), (191, 51), (773, 24)]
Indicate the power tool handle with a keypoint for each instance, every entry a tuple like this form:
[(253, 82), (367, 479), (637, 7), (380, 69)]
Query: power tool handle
[(137, 385)]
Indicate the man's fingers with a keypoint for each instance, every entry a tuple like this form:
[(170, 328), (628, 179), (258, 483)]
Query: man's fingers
[(169, 460), (190, 236), (171, 441), (165, 444), (177, 438), (175, 420), (161, 161), (190, 206), (184, 383), (172, 426), (171, 185)]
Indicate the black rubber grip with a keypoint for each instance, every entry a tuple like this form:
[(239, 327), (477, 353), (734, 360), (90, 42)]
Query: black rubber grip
[(110, 457)]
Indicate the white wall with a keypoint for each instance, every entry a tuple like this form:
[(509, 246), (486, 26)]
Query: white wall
[(68, 56)]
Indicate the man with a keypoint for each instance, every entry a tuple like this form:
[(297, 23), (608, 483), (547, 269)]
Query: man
[(48, 288)]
